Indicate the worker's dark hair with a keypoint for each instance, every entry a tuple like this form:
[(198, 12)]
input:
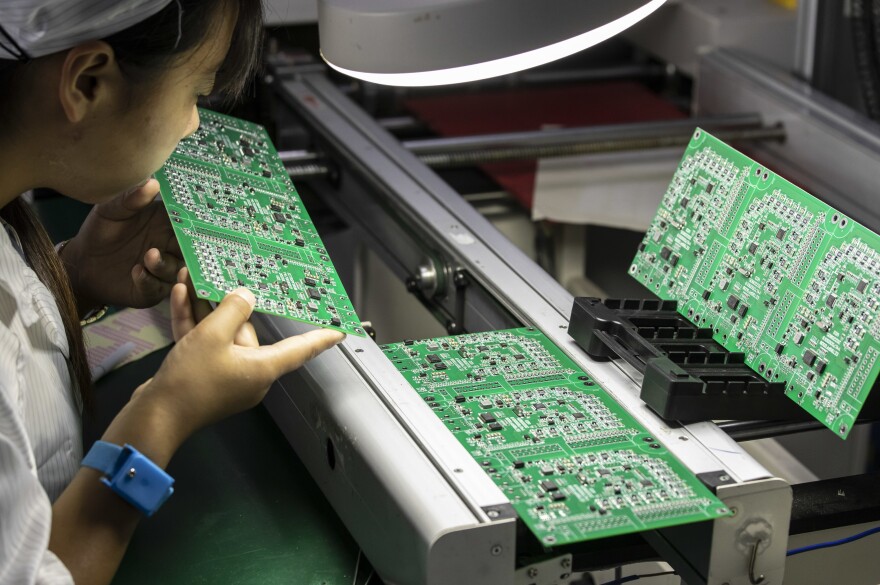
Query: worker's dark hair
[(143, 51), (151, 45)]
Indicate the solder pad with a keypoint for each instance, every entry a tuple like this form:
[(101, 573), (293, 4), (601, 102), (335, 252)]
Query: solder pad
[(240, 222), (574, 464), (774, 272)]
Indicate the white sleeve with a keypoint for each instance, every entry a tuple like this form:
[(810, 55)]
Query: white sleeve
[(25, 510)]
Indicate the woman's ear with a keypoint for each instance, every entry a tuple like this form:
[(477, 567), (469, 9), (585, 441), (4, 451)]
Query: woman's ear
[(90, 78)]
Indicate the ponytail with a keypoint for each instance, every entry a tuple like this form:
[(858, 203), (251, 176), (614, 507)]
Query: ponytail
[(44, 261)]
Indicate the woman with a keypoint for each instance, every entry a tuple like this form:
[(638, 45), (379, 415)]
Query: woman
[(94, 96)]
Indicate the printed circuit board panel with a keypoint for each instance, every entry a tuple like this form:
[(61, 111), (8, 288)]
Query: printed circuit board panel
[(573, 463), (775, 273), (240, 222)]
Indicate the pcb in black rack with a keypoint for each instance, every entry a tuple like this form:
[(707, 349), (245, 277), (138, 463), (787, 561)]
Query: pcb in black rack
[(240, 222), (777, 274)]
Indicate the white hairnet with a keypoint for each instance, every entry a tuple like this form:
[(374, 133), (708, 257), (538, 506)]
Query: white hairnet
[(33, 28)]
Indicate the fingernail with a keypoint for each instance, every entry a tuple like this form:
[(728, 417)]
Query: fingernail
[(246, 295)]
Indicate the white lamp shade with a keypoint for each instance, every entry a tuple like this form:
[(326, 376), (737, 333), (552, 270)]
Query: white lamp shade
[(439, 42)]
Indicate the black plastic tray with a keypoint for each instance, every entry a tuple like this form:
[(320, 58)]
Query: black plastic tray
[(688, 377)]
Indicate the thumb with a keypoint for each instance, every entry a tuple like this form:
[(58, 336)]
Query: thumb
[(232, 312)]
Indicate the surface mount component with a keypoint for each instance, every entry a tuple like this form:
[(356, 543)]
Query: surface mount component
[(775, 274), (240, 222), (574, 464)]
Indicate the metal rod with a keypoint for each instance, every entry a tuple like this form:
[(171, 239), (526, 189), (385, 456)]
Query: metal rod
[(531, 77), (538, 77), (460, 158), (400, 123), (467, 158), (556, 137), (307, 171), (297, 156), (565, 136), (749, 430)]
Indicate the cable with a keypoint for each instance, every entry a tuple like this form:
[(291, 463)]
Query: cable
[(637, 577), (829, 544)]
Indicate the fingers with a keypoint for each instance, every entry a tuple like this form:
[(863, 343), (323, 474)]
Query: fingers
[(289, 354), (182, 318), (163, 266), (172, 245), (149, 289), (201, 308), (232, 312)]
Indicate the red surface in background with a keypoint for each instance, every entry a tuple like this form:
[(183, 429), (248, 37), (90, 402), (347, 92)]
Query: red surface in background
[(617, 102)]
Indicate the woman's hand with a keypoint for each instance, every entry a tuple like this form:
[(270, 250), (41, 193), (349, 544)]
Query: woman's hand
[(218, 367), (125, 254)]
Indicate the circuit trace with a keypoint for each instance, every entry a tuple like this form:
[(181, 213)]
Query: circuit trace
[(573, 463), (775, 273), (240, 222)]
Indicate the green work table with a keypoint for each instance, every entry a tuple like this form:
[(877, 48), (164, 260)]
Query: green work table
[(244, 511)]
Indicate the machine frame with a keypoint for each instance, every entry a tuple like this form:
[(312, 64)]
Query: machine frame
[(419, 506)]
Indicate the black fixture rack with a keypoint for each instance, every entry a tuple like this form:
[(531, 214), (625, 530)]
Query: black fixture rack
[(688, 377)]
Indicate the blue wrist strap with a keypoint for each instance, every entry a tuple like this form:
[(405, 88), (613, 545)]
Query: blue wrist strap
[(130, 474)]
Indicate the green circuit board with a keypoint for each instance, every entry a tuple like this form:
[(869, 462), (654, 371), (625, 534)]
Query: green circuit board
[(776, 274), (240, 222), (574, 464)]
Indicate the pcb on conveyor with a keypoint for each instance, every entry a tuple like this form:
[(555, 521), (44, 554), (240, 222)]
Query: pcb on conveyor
[(573, 463)]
